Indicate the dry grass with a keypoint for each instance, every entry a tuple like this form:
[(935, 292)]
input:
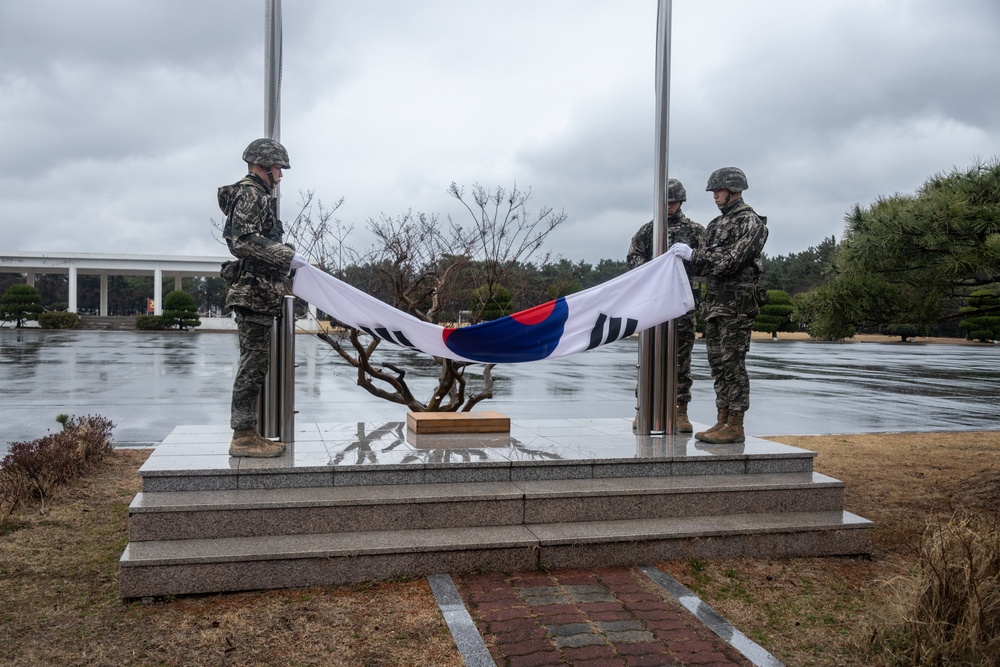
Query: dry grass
[(949, 613), (59, 598), (823, 611), (59, 602)]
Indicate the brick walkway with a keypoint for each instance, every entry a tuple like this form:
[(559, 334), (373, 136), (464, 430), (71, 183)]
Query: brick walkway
[(602, 618)]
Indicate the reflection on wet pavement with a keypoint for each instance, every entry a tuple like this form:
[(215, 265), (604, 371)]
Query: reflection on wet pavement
[(148, 383), (390, 446)]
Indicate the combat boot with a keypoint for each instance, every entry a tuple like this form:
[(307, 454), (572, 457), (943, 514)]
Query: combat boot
[(720, 422), (682, 422), (251, 443), (730, 433)]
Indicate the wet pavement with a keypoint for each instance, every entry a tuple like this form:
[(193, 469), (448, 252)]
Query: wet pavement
[(148, 383)]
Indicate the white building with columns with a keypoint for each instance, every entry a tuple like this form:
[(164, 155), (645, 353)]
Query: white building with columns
[(76, 264)]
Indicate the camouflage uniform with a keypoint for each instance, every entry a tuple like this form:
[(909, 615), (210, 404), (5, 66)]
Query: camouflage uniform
[(254, 235), (731, 261), (680, 229)]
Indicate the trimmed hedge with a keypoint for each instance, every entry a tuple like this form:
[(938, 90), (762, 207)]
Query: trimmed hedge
[(58, 320), (150, 323)]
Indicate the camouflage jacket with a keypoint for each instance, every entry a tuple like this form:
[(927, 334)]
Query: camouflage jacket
[(254, 234), (681, 229), (731, 262)]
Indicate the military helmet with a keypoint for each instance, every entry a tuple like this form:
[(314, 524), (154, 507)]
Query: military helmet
[(727, 178), (676, 191), (266, 152)]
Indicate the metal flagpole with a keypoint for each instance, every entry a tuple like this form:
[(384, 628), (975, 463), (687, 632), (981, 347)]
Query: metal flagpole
[(286, 365), (272, 74), (657, 346), (279, 388), (270, 426)]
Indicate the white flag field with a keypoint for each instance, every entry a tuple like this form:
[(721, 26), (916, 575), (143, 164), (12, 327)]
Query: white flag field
[(648, 295)]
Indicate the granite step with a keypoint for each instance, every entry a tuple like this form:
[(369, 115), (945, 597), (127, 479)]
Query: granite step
[(178, 567), (107, 322), (180, 474), (259, 512)]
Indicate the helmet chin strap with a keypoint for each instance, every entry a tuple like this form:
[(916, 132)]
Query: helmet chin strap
[(267, 170)]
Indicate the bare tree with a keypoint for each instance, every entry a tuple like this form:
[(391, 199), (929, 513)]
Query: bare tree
[(425, 268), (504, 233), (320, 237), (413, 263)]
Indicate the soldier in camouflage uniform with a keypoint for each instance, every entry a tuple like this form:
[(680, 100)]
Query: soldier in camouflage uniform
[(257, 283), (680, 229), (731, 261)]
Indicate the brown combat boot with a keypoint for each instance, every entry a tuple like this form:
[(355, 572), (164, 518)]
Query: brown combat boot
[(732, 432), (251, 443), (719, 423), (682, 422)]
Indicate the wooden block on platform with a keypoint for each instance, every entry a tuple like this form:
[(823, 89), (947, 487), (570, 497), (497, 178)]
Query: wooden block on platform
[(457, 422)]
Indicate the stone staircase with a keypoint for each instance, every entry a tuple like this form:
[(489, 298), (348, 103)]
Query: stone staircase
[(107, 323), (350, 503)]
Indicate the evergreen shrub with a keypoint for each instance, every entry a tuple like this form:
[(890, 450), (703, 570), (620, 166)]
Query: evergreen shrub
[(180, 310), (149, 323), (58, 320)]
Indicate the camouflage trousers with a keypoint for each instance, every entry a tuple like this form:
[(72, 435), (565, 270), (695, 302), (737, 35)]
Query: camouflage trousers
[(255, 358), (728, 341), (684, 329)]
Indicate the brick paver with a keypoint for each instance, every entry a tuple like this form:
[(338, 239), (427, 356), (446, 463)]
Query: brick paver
[(606, 616)]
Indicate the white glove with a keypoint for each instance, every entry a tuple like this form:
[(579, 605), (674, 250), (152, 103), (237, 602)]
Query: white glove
[(298, 261), (682, 249)]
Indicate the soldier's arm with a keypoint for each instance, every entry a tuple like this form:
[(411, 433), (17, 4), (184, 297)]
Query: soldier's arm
[(699, 235), (729, 259), (640, 248), (248, 240), (749, 244)]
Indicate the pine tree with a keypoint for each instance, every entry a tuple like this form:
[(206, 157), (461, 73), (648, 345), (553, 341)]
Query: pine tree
[(776, 314), (180, 310), (19, 304)]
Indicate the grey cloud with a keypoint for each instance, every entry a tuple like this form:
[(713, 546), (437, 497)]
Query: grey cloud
[(123, 33), (123, 117)]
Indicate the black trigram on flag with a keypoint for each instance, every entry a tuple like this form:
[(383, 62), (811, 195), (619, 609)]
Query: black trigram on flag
[(396, 337), (609, 329)]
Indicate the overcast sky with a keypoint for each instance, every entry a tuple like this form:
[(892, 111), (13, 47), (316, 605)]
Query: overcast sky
[(119, 119)]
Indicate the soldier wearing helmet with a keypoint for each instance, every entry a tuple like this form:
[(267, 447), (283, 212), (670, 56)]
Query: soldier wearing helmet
[(731, 262), (257, 283), (680, 229)]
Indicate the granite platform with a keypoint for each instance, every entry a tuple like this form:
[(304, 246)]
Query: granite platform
[(352, 502), (351, 454)]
